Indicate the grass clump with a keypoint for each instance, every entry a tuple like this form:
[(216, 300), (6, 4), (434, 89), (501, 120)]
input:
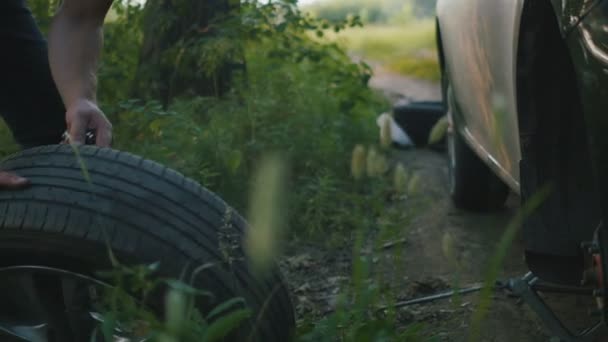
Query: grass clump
[(421, 68)]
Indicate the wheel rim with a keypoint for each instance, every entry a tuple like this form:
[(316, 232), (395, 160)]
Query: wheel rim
[(37, 312)]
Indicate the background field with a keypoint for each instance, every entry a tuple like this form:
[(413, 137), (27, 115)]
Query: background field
[(398, 35), (407, 49)]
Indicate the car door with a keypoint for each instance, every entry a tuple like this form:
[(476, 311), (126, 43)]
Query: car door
[(480, 43)]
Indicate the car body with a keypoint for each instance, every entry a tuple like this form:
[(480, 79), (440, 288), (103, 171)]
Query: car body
[(526, 89)]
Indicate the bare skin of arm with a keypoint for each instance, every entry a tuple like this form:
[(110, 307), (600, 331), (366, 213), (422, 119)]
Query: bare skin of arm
[(75, 43)]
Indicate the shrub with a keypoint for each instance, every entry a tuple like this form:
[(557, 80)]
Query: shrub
[(300, 97)]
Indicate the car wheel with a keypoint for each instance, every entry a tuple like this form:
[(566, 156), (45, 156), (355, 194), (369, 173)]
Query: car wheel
[(472, 184), (418, 119), (56, 234)]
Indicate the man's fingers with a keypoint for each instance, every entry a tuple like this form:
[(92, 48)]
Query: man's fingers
[(103, 136), (77, 131), (84, 115), (12, 181)]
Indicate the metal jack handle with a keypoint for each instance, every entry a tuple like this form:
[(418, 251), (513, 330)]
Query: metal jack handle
[(525, 289)]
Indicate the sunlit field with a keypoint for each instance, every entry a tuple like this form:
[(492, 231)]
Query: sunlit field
[(408, 50)]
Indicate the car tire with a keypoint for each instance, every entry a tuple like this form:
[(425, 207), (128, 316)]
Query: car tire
[(417, 119), (145, 213), (472, 184)]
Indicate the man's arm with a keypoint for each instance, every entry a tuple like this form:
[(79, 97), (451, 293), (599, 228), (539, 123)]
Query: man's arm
[(75, 44)]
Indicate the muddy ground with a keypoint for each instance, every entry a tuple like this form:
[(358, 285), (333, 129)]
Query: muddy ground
[(415, 264)]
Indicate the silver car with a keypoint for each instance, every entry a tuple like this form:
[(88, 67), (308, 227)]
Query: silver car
[(525, 87)]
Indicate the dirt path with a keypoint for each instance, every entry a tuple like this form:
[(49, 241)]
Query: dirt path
[(317, 273), (396, 87)]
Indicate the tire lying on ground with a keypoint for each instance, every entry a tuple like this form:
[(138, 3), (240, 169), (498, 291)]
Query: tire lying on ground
[(146, 213), (418, 119)]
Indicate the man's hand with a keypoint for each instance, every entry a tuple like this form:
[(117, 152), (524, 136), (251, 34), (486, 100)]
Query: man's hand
[(12, 181), (75, 44), (84, 115)]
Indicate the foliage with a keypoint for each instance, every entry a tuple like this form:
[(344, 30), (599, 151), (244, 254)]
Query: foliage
[(123, 39), (126, 310), (300, 97), (7, 143), (43, 11)]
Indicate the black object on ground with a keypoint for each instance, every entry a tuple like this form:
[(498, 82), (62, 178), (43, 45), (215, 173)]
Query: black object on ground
[(417, 120), (435, 297), (146, 213)]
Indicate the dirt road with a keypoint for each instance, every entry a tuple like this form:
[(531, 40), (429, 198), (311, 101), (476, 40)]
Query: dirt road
[(317, 273), (396, 86)]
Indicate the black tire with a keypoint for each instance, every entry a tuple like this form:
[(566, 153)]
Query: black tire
[(148, 213), (418, 119), (472, 184), (555, 150)]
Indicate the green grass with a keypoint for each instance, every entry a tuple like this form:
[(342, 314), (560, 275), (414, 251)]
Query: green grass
[(7, 144), (408, 49), (422, 68)]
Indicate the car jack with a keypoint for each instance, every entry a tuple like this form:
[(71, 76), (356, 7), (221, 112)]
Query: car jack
[(528, 287)]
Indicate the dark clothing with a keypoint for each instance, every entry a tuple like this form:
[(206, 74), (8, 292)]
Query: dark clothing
[(29, 101), (31, 106)]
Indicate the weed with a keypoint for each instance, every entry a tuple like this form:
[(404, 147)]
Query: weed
[(127, 309)]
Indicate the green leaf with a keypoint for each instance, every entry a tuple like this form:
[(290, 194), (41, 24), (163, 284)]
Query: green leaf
[(155, 125), (282, 26), (439, 131), (94, 335), (108, 326), (153, 267), (234, 160), (187, 289), (224, 307), (225, 325)]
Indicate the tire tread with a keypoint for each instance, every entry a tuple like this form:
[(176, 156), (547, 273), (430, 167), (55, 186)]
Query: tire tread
[(179, 220)]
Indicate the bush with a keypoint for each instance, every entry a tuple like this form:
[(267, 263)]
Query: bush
[(299, 97), (313, 115)]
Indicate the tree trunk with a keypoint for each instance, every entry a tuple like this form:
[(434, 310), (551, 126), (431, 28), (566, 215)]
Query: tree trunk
[(163, 72)]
